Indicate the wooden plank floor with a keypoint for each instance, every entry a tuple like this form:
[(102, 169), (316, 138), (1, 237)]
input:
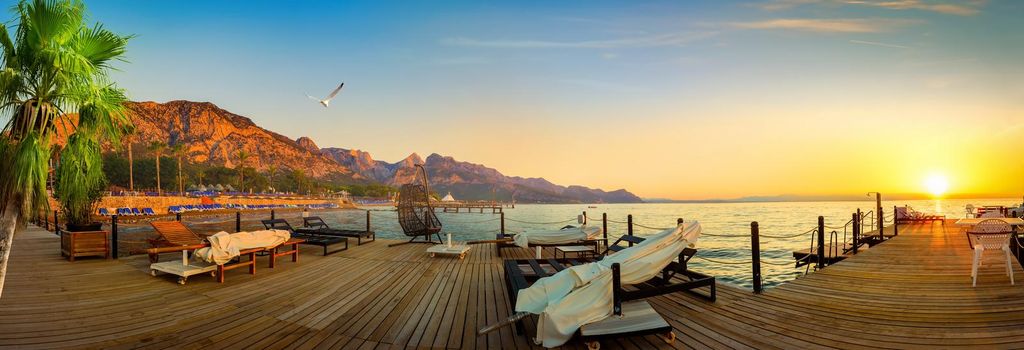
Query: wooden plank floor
[(913, 291)]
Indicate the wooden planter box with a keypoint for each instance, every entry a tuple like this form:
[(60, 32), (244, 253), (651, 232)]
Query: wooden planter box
[(87, 243)]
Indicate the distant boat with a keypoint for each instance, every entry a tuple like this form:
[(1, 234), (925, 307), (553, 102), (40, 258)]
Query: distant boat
[(591, 206)]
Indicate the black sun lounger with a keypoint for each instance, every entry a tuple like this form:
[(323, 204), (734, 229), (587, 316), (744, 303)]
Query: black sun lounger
[(310, 239), (521, 273), (316, 226)]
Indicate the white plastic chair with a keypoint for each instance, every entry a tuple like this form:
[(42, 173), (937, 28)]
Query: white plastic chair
[(990, 234)]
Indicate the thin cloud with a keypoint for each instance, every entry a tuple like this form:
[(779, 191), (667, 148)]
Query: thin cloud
[(841, 25), (875, 43), (959, 8), (969, 8), (672, 39)]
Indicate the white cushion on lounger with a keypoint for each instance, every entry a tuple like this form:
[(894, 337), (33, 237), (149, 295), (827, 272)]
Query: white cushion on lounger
[(582, 294), (563, 236)]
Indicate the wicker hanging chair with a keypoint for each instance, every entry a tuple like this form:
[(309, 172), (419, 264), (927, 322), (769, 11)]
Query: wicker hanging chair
[(415, 213)]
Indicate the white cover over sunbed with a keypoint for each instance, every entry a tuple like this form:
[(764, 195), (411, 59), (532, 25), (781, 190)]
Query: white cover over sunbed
[(583, 294)]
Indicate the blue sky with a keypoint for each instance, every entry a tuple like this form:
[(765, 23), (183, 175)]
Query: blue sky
[(574, 90)]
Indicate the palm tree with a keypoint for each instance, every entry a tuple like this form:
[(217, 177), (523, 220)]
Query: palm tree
[(271, 171), (178, 150), (242, 156), (300, 179), (131, 166), (158, 148), (53, 66)]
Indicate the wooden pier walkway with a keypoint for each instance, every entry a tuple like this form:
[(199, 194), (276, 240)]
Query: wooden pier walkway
[(913, 291)]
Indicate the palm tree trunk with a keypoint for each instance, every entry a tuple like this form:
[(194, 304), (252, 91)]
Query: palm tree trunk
[(131, 169), (158, 191), (8, 228), (180, 189)]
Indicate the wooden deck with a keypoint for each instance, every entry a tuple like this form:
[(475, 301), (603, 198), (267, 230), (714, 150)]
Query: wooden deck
[(913, 291)]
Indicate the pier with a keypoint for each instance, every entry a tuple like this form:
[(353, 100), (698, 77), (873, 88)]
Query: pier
[(471, 207), (911, 291)]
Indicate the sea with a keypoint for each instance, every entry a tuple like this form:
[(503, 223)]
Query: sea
[(724, 248)]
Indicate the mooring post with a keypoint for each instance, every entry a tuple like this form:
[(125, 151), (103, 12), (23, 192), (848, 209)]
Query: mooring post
[(629, 228), (881, 216), (368, 221), (272, 214), (585, 217), (856, 230), (502, 224), (113, 236), (821, 242), (604, 228), (881, 224), (238, 221), (755, 255), (895, 222)]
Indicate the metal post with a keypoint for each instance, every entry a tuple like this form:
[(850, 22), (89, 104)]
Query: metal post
[(238, 221), (856, 230), (755, 255), (46, 222), (177, 216), (113, 236), (502, 224), (56, 223), (368, 220), (272, 214), (616, 285), (585, 217), (821, 242), (629, 227)]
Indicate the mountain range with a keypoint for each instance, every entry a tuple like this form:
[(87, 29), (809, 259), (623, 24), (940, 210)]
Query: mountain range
[(214, 136)]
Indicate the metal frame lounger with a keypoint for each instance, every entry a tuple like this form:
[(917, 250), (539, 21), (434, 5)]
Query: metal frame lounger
[(522, 273), (320, 240), (316, 226)]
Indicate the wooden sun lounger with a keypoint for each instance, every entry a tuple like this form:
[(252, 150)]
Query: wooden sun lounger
[(275, 253), (173, 234), (316, 226), (316, 239)]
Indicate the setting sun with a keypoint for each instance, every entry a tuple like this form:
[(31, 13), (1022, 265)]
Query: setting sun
[(936, 184)]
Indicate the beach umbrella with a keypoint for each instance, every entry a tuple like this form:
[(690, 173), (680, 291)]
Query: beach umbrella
[(202, 188), (219, 188), (228, 188)]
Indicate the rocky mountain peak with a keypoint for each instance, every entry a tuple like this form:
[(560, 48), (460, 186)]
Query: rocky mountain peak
[(308, 143)]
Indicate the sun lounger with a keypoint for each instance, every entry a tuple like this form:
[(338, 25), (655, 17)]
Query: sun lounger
[(324, 241), (173, 234), (566, 236), (907, 215), (148, 211), (135, 211), (104, 212), (315, 225), (626, 302)]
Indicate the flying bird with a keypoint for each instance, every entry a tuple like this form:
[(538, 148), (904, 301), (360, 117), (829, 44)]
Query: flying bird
[(327, 101)]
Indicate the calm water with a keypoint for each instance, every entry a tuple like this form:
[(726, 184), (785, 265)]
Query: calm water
[(718, 220)]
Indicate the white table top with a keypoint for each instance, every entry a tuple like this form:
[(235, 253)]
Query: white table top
[(445, 249), (975, 221)]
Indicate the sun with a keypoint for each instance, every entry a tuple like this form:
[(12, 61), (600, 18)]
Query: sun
[(937, 184)]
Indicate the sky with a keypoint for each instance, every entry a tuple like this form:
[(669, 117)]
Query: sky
[(668, 99)]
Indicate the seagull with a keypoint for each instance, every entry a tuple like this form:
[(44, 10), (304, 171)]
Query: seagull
[(327, 101)]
